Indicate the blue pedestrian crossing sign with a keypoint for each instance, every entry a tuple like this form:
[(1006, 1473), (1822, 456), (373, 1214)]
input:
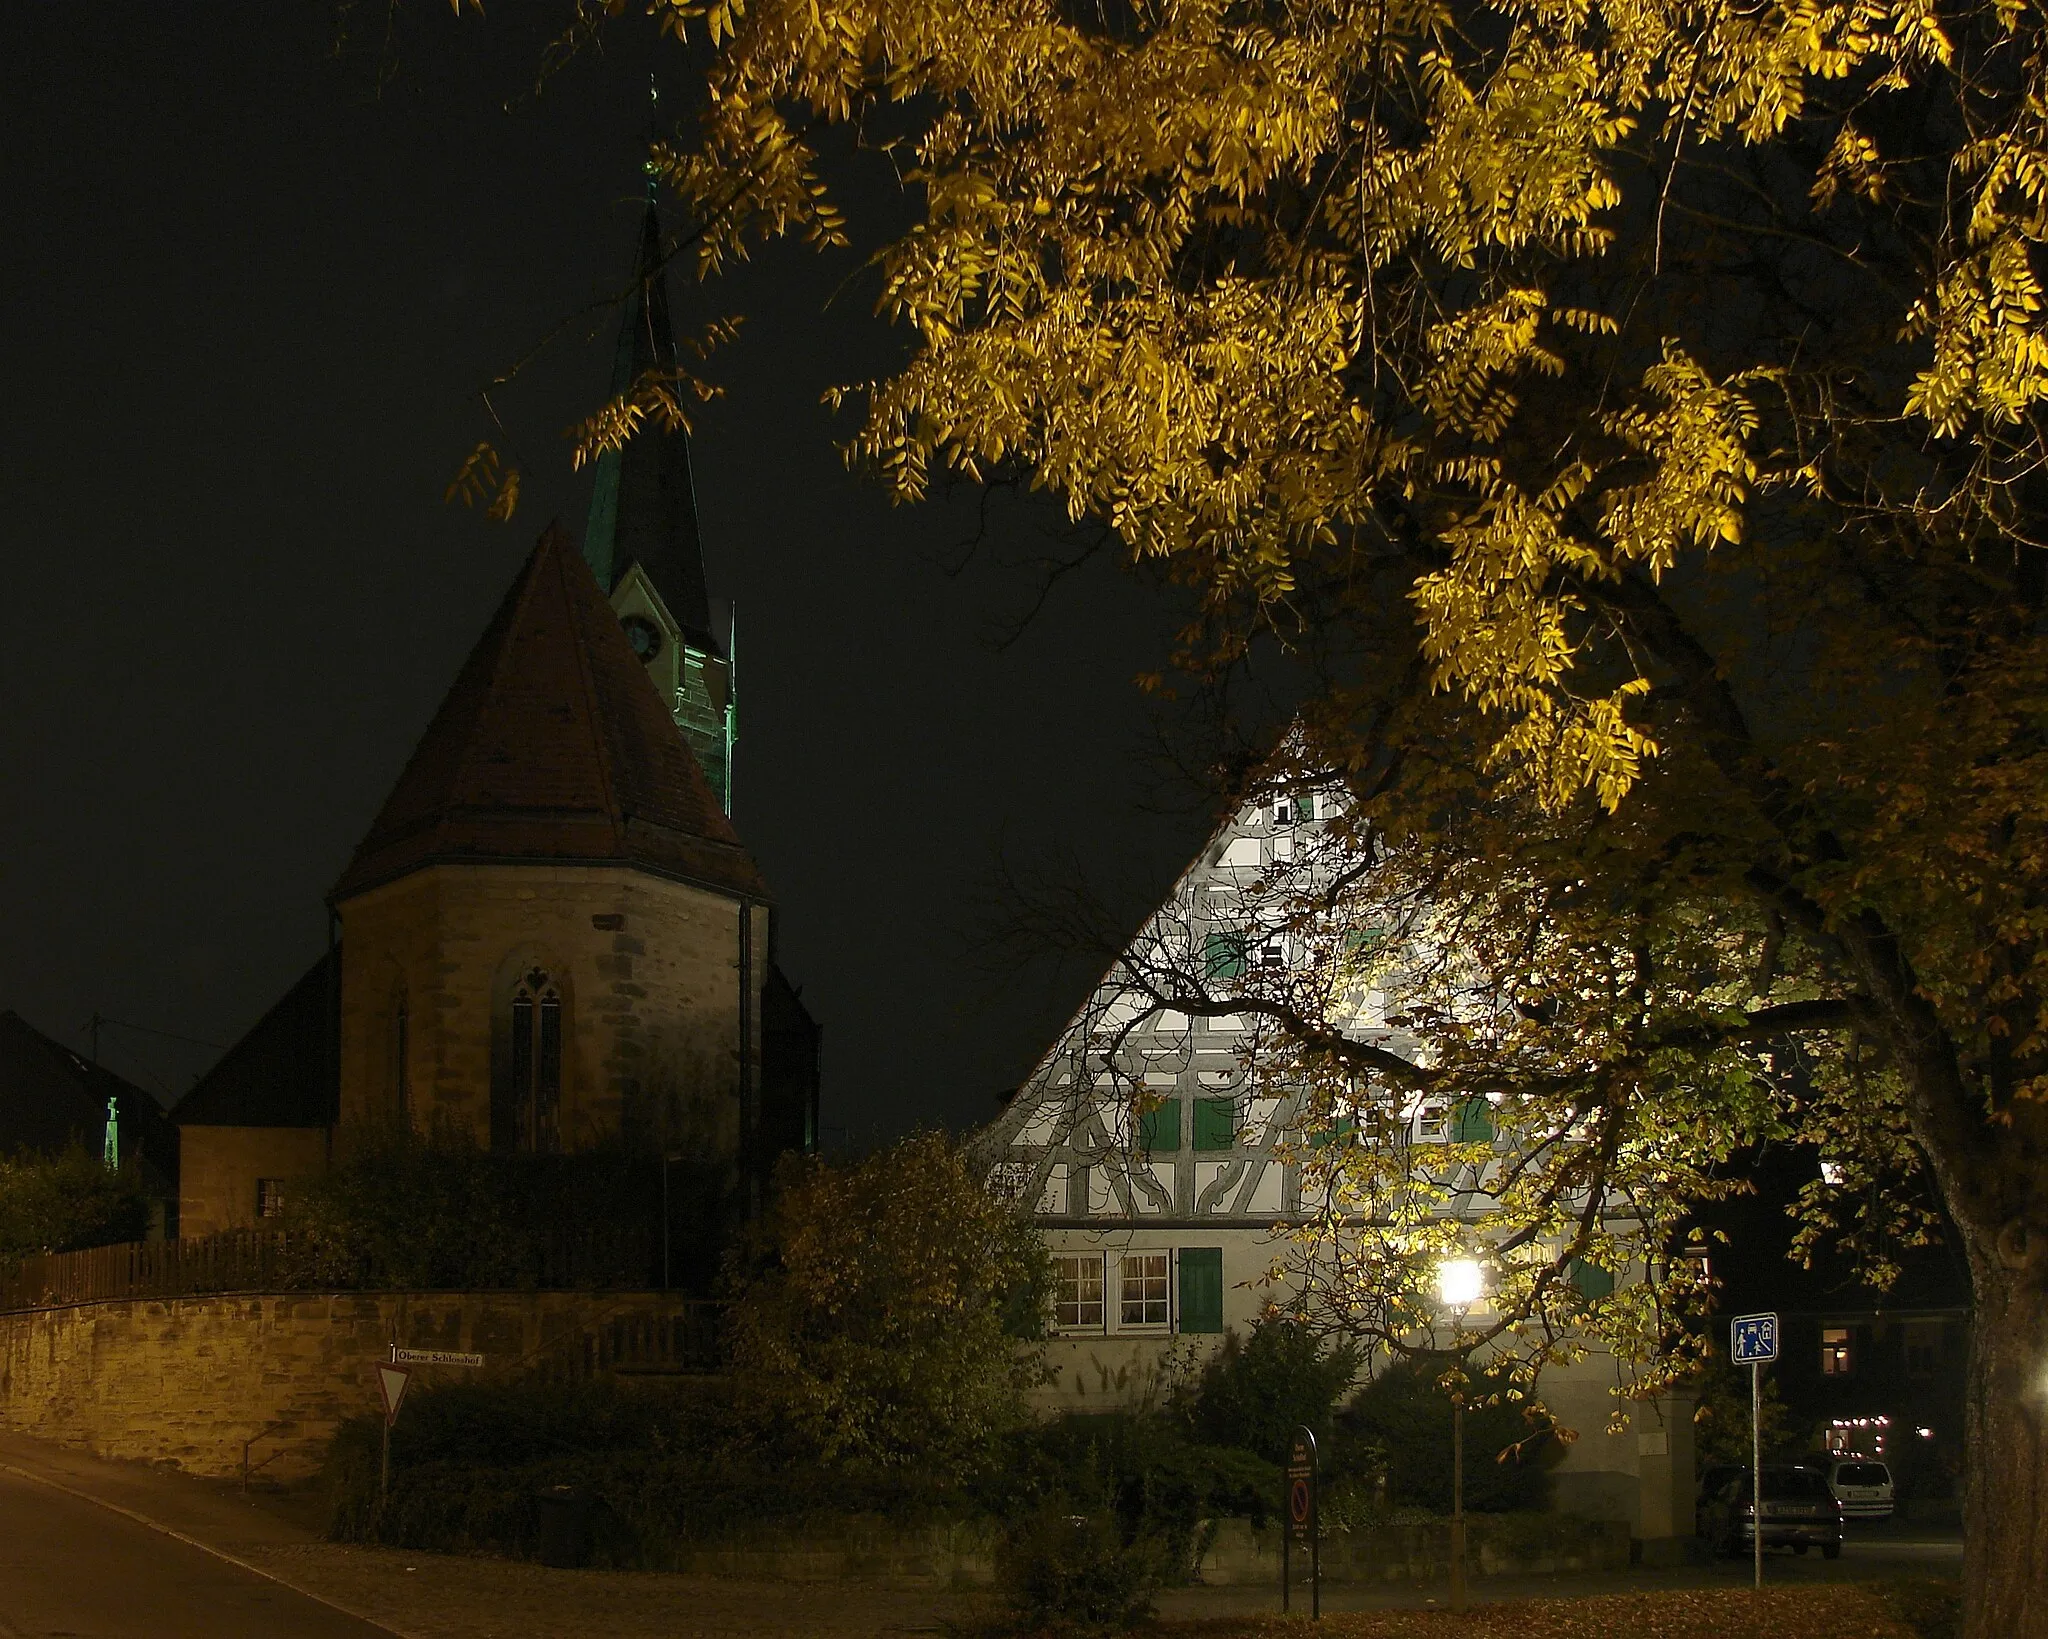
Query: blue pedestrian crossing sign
[(1755, 1339)]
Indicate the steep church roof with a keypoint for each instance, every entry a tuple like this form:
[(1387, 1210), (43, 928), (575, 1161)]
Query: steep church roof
[(552, 745), (643, 508)]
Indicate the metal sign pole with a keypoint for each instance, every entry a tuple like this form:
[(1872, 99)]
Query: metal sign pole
[(1458, 1502), (1286, 1557), (384, 1467), (1756, 1464)]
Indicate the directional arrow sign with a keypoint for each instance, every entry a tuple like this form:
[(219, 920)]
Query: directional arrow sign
[(391, 1383)]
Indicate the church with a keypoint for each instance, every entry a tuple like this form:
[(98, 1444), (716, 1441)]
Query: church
[(551, 939)]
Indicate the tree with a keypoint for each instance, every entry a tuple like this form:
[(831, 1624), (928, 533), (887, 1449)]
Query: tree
[(1628, 421), (66, 1202), (888, 1311)]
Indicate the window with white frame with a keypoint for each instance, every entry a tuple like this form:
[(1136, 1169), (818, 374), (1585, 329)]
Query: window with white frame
[(1143, 1288), (1077, 1293), (1433, 1121)]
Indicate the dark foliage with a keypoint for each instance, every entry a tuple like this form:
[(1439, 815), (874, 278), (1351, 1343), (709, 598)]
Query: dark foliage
[(1257, 1390), (67, 1202), (1403, 1419), (411, 1213), (1078, 1573), (662, 1469)]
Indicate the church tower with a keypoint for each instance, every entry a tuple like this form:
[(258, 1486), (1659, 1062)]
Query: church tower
[(642, 540)]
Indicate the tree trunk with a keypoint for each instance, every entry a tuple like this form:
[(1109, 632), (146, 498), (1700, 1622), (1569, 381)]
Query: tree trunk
[(2005, 1489)]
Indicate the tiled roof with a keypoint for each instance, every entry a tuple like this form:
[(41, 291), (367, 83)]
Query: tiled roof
[(553, 745), (283, 1073)]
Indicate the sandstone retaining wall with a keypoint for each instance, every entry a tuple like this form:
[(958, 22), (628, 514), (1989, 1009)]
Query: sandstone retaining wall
[(185, 1381)]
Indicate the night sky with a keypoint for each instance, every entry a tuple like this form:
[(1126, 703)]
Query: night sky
[(251, 296)]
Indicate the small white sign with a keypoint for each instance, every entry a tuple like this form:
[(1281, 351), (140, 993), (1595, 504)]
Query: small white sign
[(391, 1384), (433, 1357)]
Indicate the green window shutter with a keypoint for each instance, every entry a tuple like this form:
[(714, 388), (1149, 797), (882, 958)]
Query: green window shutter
[(1215, 1123), (1223, 956), (1472, 1122), (1201, 1288), (1159, 1130), (1341, 1131), (1592, 1282)]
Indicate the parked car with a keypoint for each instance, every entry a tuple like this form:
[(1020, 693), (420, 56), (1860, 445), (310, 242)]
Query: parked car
[(1862, 1487), (1799, 1511)]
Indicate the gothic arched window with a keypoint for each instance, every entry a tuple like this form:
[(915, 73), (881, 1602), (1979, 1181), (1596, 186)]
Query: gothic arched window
[(534, 1062)]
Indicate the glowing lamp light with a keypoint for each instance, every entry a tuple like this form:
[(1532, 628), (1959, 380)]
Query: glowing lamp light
[(1460, 1283)]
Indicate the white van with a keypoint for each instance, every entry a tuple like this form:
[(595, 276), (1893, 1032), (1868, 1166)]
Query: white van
[(1862, 1487)]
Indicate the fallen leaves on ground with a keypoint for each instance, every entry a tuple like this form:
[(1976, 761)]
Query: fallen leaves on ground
[(1838, 1611)]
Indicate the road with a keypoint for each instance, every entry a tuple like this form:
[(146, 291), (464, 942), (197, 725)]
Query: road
[(70, 1569)]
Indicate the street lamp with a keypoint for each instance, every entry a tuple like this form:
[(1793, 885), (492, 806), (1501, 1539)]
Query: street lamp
[(1460, 1283)]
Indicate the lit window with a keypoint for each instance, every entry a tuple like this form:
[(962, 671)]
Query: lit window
[(1834, 1351), (269, 1197), (1077, 1294), (1141, 1289)]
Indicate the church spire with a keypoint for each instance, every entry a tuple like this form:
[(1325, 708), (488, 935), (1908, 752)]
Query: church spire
[(643, 508), (641, 541)]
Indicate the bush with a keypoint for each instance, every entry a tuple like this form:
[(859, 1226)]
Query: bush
[(1141, 1471), (403, 1212), (65, 1203), (661, 1468), (1255, 1391), (1076, 1573), (887, 1312), (1403, 1419)]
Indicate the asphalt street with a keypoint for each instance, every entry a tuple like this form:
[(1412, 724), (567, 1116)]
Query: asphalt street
[(70, 1569)]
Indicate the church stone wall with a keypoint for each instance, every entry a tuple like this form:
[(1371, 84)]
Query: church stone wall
[(649, 974), (185, 1381)]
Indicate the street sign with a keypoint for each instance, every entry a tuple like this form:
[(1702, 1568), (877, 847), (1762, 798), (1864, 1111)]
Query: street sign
[(1754, 1339), (391, 1384), (433, 1357), (1302, 1521)]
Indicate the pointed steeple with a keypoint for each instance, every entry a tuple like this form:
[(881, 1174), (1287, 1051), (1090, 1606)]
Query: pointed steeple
[(552, 746), (643, 508)]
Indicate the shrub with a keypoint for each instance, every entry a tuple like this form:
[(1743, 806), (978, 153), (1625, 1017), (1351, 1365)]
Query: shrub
[(1255, 1391), (65, 1203), (1403, 1417), (887, 1312), (439, 1213), (1076, 1573)]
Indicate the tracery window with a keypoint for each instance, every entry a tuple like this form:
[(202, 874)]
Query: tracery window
[(534, 1061)]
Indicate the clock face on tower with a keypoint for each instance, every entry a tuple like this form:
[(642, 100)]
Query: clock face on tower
[(644, 635)]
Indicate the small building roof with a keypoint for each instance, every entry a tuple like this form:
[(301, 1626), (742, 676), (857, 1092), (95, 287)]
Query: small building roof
[(284, 1071), (52, 1098), (553, 746)]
